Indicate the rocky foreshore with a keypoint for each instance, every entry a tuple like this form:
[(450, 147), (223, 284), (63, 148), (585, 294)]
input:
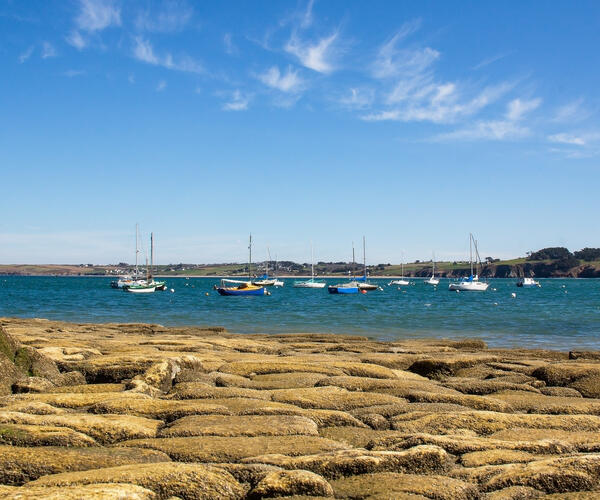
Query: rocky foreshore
[(149, 412)]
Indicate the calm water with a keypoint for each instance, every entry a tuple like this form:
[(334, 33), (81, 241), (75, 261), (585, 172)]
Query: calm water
[(564, 313)]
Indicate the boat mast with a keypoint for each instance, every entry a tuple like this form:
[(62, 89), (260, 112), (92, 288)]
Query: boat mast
[(151, 254), (471, 251), (433, 272), (312, 262), (267, 266), (137, 228), (365, 258), (250, 257), (353, 263)]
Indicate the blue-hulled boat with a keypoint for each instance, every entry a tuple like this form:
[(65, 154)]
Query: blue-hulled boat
[(345, 288)]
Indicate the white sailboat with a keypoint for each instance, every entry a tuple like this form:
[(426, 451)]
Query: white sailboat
[(136, 279), (311, 283), (264, 280), (433, 280), (472, 283), (363, 284), (401, 281)]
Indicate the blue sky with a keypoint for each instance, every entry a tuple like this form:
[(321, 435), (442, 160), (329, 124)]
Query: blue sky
[(412, 123)]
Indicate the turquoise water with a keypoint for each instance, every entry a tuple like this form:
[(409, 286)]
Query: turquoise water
[(563, 314)]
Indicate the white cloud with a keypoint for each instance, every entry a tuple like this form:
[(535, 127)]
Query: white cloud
[(288, 82), (96, 15), (238, 102), (76, 40), (517, 108), (490, 60), (48, 50), (173, 16), (25, 55), (314, 55), (307, 18), (160, 86), (143, 51)]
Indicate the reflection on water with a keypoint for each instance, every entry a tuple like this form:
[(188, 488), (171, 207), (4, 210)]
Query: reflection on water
[(564, 313)]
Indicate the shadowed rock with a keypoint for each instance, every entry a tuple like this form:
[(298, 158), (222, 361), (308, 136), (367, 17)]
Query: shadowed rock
[(79, 492), (40, 435)]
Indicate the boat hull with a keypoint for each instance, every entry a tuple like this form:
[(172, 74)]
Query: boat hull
[(140, 289), (241, 292), (309, 284), (432, 281), (469, 286), (369, 287), (399, 283), (342, 290)]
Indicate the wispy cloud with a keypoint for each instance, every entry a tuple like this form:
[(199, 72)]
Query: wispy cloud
[(48, 50), (230, 47), (238, 102), (356, 98), (316, 55), (172, 16), (490, 60), (143, 51), (285, 82), (307, 17), (571, 112), (497, 130), (161, 85), (576, 139), (73, 73), (96, 15), (25, 55), (392, 61), (517, 108), (76, 39), (438, 103)]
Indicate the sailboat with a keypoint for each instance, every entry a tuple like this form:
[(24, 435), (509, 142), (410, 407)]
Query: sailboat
[(228, 287), (311, 283), (472, 283), (264, 280), (346, 288), (136, 279), (401, 281), (363, 284), (160, 285), (143, 286), (433, 280)]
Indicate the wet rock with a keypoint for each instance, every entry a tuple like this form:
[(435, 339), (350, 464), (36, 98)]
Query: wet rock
[(233, 449), (445, 366), (392, 485), (582, 376), (295, 482), (185, 481), (251, 425), (22, 464)]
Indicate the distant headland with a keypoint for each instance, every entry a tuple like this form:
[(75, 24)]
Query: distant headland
[(552, 262)]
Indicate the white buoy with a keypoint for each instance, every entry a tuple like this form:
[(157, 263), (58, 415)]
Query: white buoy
[(172, 290), (513, 295), (495, 303)]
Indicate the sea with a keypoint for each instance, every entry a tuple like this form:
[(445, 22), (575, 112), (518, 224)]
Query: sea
[(563, 314)]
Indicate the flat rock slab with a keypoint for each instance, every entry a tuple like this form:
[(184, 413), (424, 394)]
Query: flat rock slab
[(250, 425), (43, 435), (22, 464), (105, 429), (419, 460), (186, 481), (234, 449), (78, 492), (392, 485)]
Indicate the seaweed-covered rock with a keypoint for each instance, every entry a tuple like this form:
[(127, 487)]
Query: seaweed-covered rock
[(393, 485), (22, 464), (185, 481), (43, 435), (295, 482), (250, 425)]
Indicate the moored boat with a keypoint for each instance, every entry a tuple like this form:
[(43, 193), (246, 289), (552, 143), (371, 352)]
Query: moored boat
[(240, 288), (528, 283), (470, 283), (311, 283), (344, 288), (433, 280)]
